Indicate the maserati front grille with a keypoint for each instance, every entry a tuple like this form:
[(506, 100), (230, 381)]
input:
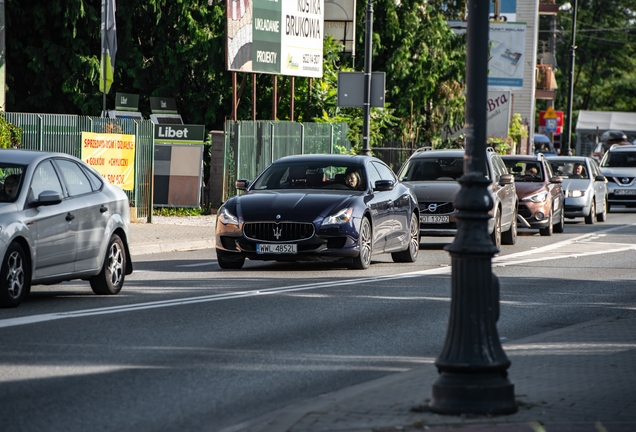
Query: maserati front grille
[(278, 232)]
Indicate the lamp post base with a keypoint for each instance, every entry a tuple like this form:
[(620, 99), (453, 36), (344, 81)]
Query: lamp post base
[(466, 393)]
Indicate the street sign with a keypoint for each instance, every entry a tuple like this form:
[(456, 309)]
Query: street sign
[(550, 114), (543, 118), (550, 124)]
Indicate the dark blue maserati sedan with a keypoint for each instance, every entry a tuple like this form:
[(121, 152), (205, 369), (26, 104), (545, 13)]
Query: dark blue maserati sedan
[(319, 207)]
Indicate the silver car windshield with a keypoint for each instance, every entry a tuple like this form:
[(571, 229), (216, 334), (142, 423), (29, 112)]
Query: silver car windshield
[(10, 181)]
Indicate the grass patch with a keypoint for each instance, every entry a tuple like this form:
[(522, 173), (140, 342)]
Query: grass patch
[(181, 211)]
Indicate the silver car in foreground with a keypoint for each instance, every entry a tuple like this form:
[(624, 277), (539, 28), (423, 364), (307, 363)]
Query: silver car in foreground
[(59, 220), (585, 191)]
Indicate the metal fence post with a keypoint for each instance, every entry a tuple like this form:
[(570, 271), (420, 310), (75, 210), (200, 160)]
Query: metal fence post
[(302, 138), (40, 133), (331, 138)]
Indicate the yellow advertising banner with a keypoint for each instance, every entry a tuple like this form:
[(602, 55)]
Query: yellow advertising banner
[(112, 155)]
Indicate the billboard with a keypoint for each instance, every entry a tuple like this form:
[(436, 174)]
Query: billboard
[(112, 155), (498, 108), (282, 37), (506, 56)]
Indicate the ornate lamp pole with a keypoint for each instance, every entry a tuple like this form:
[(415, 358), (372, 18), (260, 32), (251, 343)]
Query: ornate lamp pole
[(473, 366)]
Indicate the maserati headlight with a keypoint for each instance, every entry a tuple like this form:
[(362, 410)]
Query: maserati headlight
[(537, 198), (227, 218), (339, 218), (575, 193)]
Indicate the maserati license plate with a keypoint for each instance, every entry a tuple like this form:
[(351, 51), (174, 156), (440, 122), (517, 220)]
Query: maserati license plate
[(434, 219), (280, 248)]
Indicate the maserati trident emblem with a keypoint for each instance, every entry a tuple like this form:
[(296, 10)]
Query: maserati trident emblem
[(277, 217), (432, 208), (277, 233)]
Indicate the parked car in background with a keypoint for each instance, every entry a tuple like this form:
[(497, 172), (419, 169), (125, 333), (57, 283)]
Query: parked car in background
[(619, 168), (541, 199), (608, 139), (432, 175), (319, 208), (59, 220), (542, 144), (584, 187)]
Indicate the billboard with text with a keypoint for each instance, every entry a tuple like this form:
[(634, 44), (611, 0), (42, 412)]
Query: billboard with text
[(283, 37)]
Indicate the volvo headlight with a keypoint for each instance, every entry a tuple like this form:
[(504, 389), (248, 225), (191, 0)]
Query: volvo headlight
[(536, 198), (339, 218), (228, 218), (575, 193)]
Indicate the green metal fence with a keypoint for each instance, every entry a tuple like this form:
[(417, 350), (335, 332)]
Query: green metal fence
[(63, 133), (250, 146)]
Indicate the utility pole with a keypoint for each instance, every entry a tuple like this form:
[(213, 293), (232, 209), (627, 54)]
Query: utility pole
[(368, 54), (3, 59), (567, 147)]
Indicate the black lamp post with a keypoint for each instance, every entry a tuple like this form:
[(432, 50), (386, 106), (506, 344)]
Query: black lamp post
[(368, 54), (473, 366)]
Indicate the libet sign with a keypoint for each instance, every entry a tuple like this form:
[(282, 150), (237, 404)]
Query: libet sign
[(180, 134), (282, 37), (111, 155)]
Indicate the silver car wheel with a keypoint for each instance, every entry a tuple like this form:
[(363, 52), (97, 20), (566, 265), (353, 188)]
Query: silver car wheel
[(115, 264), (15, 275), (110, 279), (365, 240)]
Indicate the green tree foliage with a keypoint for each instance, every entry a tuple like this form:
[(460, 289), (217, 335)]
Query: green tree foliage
[(10, 134), (325, 106), (424, 62), (177, 49), (605, 62)]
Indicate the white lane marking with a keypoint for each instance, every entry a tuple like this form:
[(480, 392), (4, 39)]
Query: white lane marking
[(11, 322), (198, 264)]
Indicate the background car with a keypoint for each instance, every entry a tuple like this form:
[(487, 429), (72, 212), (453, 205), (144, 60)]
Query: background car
[(59, 220), (619, 168), (609, 138), (307, 208), (542, 144), (432, 175), (585, 193), (541, 200)]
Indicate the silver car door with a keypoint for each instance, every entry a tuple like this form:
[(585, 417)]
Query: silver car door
[(90, 212), (54, 233)]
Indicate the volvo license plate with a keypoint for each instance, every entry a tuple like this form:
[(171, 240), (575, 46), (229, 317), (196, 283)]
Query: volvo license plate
[(276, 248), (434, 219)]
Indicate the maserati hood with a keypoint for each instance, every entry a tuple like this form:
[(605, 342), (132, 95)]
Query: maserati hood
[(290, 205)]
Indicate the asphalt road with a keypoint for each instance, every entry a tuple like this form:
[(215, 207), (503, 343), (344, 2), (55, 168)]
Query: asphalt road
[(188, 346)]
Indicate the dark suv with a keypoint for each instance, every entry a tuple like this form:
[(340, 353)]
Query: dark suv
[(433, 174), (541, 200)]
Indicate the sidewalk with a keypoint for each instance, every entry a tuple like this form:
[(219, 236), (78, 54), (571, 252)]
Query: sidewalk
[(579, 378), (167, 234)]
